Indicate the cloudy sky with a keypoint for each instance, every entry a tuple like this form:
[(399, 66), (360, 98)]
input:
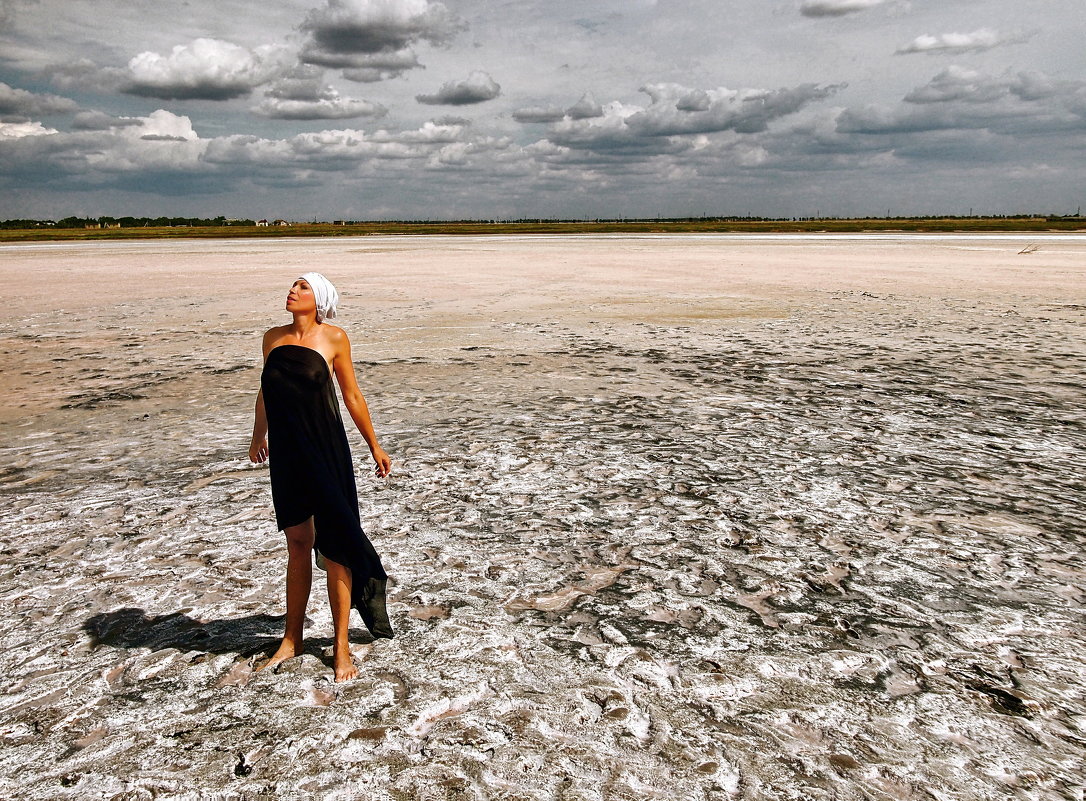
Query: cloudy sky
[(408, 109)]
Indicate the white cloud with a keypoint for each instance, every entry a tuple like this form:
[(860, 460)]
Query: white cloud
[(430, 133), (476, 88), (21, 103), (463, 154), (206, 69), (165, 146), (362, 35), (160, 155), (836, 8), (158, 125), (165, 125), (976, 41), (333, 149), (608, 132), (18, 130)]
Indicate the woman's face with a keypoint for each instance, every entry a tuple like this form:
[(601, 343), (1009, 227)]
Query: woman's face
[(300, 298)]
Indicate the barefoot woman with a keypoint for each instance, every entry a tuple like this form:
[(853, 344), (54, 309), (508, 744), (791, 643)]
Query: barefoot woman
[(312, 476)]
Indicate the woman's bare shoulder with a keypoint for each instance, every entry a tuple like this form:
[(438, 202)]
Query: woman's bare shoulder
[(337, 340), (273, 334), (334, 334)]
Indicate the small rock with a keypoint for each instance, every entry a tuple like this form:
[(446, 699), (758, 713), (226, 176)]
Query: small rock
[(374, 733), (843, 762)]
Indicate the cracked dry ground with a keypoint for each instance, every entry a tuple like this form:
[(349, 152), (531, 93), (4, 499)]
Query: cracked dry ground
[(834, 555)]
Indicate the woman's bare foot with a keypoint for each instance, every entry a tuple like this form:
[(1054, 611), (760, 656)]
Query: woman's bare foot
[(344, 665), (287, 650)]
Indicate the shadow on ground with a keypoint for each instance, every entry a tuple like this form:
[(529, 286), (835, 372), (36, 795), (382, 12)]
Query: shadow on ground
[(134, 628), (253, 634)]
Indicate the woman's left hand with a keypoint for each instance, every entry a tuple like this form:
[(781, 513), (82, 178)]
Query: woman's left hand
[(384, 464)]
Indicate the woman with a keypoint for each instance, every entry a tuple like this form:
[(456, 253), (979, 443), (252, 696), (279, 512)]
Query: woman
[(312, 477)]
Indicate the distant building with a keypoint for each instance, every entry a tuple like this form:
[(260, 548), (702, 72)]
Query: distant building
[(92, 225), (280, 222), (262, 223)]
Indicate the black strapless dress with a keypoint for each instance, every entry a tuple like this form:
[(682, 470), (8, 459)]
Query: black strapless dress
[(312, 474)]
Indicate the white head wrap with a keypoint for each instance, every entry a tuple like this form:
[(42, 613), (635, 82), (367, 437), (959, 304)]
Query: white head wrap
[(324, 293)]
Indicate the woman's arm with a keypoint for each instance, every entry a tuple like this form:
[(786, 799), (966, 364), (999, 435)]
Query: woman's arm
[(355, 403), (258, 448)]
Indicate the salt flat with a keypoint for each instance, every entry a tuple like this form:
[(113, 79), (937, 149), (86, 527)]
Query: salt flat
[(701, 517)]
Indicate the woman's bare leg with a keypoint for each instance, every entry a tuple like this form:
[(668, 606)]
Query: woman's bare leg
[(299, 582), (339, 598)]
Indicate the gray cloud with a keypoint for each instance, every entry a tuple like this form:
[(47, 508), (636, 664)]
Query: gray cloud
[(347, 152), (476, 88), (332, 107), (836, 8), (159, 144), (1021, 105), (301, 83), (21, 103), (972, 86), (82, 73), (584, 109), (538, 114), (974, 42), (373, 37), (610, 135), (205, 69), (372, 67), (692, 100), (682, 126), (303, 95), (1000, 133), (100, 121), (677, 110), (165, 147)]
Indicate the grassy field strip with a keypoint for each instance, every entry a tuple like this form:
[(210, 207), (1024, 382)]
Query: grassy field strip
[(925, 225)]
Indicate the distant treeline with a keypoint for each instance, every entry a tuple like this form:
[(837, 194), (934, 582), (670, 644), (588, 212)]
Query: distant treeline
[(125, 222), (107, 228), (711, 219), (221, 222)]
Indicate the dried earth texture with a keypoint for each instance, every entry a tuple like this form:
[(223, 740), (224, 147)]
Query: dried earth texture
[(705, 517)]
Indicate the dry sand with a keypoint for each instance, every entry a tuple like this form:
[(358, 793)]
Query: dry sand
[(707, 517)]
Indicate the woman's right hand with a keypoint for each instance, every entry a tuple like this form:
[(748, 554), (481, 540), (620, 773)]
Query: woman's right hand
[(258, 451)]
